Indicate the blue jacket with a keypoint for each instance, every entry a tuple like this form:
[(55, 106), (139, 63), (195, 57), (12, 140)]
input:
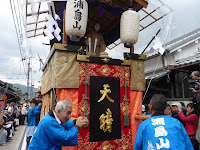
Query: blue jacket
[(162, 133), (31, 115), (50, 135)]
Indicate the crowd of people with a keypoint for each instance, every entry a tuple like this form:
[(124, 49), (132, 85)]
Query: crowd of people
[(186, 117), (178, 126), (12, 116), (53, 132), (171, 126)]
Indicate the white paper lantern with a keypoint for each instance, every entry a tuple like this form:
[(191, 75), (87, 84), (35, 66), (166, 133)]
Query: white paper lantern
[(76, 19), (129, 28)]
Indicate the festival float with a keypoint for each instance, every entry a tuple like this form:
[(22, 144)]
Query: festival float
[(107, 91)]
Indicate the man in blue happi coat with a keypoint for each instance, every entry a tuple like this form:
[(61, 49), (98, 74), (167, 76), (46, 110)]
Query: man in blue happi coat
[(32, 123), (161, 132), (55, 131)]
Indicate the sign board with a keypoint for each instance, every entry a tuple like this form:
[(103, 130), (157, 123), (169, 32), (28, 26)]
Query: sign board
[(4, 97)]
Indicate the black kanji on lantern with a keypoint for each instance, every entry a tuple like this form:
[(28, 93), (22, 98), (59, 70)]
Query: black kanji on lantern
[(78, 4), (77, 26), (78, 15)]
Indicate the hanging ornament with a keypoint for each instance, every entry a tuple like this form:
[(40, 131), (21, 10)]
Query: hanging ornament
[(76, 19), (52, 29), (129, 28)]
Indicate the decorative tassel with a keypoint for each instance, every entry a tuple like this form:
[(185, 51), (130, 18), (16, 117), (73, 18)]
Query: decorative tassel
[(85, 83), (126, 120), (126, 116), (85, 115)]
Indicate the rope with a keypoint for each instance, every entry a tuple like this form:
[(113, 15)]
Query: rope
[(151, 78)]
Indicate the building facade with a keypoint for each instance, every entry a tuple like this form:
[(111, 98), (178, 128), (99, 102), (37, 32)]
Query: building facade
[(169, 73)]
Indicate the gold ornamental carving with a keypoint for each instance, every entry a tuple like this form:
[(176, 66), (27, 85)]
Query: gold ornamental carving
[(105, 92), (106, 121)]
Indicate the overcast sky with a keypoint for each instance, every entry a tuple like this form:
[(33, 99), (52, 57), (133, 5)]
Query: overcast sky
[(12, 68), (184, 19)]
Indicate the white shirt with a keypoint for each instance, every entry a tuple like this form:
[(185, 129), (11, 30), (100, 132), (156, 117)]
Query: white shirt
[(57, 119), (24, 111)]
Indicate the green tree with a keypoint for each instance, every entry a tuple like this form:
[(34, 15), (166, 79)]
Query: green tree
[(18, 90)]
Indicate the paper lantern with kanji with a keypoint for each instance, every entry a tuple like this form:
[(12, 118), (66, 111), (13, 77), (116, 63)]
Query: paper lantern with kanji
[(129, 28), (76, 19)]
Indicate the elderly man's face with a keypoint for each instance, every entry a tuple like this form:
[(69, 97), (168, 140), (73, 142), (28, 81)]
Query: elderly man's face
[(64, 116)]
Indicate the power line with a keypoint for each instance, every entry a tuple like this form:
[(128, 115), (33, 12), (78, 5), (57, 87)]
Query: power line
[(12, 78), (11, 72), (19, 31), (43, 48), (18, 39), (11, 68), (19, 14), (17, 76)]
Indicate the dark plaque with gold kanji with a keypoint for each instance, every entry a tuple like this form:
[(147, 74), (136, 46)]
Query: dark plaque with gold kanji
[(105, 121)]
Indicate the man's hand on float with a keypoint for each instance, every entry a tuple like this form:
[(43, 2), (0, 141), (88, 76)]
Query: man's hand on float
[(81, 121)]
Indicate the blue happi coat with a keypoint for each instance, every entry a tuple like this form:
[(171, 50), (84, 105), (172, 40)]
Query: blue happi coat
[(50, 135), (162, 133), (31, 115)]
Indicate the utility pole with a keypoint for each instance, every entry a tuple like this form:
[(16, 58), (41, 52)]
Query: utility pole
[(28, 79), (31, 94)]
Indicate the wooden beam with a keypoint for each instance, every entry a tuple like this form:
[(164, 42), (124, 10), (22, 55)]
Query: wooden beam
[(141, 26), (35, 22), (114, 46), (108, 48), (35, 35), (155, 21), (64, 32), (132, 49), (41, 12), (35, 29), (114, 43), (183, 66), (37, 18), (142, 2), (149, 14), (142, 117)]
